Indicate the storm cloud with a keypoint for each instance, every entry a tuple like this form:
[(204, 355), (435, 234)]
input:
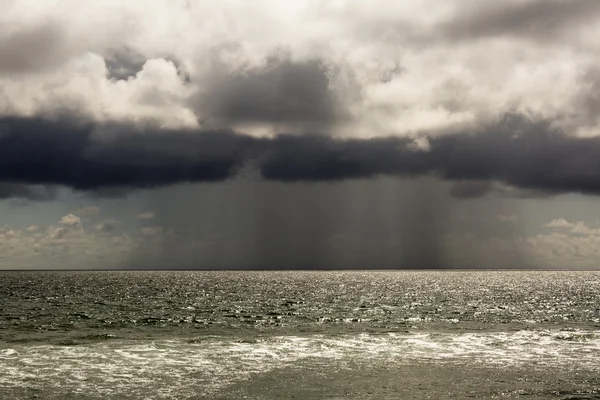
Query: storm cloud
[(281, 92), (86, 156), (339, 133), (515, 151), (26, 192)]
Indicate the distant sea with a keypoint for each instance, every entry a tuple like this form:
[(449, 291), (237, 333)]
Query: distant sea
[(300, 335)]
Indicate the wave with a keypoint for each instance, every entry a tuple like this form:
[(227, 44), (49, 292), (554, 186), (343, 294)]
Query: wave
[(216, 361)]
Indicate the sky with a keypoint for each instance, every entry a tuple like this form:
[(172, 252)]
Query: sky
[(299, 134)]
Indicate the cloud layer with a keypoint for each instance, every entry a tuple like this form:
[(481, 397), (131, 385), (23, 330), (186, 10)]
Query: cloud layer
[(345, 68), (514, 151)]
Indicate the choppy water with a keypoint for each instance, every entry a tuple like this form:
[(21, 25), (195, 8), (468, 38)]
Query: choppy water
[(300, 335)]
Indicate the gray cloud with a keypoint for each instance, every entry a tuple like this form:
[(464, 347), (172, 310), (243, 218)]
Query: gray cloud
[(539, 19), (123, 63), (469, 190), (36, 48), (282, 92)]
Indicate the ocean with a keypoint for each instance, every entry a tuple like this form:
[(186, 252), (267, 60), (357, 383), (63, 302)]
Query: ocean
[(300, 335)]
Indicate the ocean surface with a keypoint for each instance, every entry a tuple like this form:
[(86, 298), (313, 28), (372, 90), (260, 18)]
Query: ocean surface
[(300, 335)]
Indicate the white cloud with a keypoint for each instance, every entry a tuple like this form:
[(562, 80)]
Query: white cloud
[(66, 246), (396, 67), (565, 251), (71, 222), (559, 223), (7, 233), (577, 227), (69, 225)]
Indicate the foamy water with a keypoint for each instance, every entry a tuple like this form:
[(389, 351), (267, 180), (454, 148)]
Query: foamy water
[(171, 369), (305, 335)]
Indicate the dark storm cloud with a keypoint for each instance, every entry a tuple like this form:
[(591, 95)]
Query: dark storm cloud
[(515, 151), (282, 92), (87, 156), (539, 19), (314, 158), (26, 192), (522, 153)]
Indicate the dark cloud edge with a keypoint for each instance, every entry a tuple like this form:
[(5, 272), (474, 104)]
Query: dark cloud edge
[(515, 150)]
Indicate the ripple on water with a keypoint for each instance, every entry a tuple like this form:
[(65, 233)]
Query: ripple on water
[(288, 302)]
